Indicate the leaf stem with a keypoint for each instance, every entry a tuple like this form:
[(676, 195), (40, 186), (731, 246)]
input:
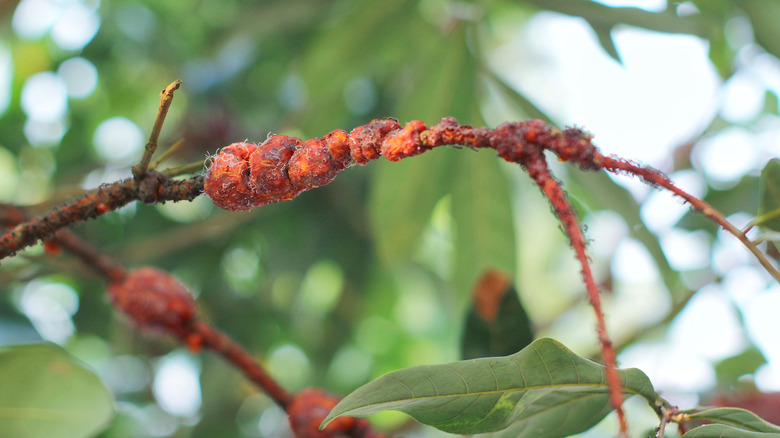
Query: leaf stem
[(184, 169), (762, 219)]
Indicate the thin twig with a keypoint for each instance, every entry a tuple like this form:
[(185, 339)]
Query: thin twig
[(234, 354), (167, 153), (185, 169), (166, 97), (654, 177), (107, 198), (90, 256)]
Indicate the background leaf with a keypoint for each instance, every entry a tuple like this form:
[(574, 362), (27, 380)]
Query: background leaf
[(485, 235), (404, 194), (730, 369), (545, 387), (764, 17), (496, 324), (770, 193), (45, 392), (604, 34)]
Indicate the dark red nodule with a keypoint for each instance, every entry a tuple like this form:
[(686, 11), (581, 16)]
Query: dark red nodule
[(268, 165), (154, 299)]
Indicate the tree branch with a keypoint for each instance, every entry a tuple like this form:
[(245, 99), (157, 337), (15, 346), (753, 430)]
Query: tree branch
[(153, 188)]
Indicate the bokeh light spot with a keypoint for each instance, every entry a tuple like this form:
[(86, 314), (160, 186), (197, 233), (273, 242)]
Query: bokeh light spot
[(50, 306), (44, 133), (360, 96), (45, 97), (241, 267), (186, 212), (118, 140), (33, 18), (80, 77), (290, 365), (321, 287), (350, 367), (177, 386), (75, 27), (632, 262), (727, 156)]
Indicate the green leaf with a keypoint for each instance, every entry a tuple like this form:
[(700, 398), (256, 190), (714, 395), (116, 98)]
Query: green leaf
[(736, 418), (769, 189), (604, 34), (546, 389), (402, 199), (362, 40), (764, 17), (730, 369), (484, 229), (45, 392), (723, 431), (771, 103), (496, 324)]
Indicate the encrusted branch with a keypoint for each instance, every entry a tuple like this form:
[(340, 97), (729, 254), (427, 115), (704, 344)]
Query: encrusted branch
[(155, 187)]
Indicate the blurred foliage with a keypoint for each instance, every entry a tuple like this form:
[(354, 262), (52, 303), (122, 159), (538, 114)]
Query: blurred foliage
[(369, 274), (770, 195), (50, 409)]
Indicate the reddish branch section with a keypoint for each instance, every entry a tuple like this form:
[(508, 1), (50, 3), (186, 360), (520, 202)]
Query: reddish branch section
[(244, 176), (12, 215), (156, 301)]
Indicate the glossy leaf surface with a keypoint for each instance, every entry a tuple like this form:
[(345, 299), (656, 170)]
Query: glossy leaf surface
[(736, 418), (723, 431), (545, 388)]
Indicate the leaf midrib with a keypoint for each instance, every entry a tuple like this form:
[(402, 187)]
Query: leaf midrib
[(497, 391)]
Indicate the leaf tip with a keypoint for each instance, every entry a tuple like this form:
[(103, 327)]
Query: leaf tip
[(327, 420)]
